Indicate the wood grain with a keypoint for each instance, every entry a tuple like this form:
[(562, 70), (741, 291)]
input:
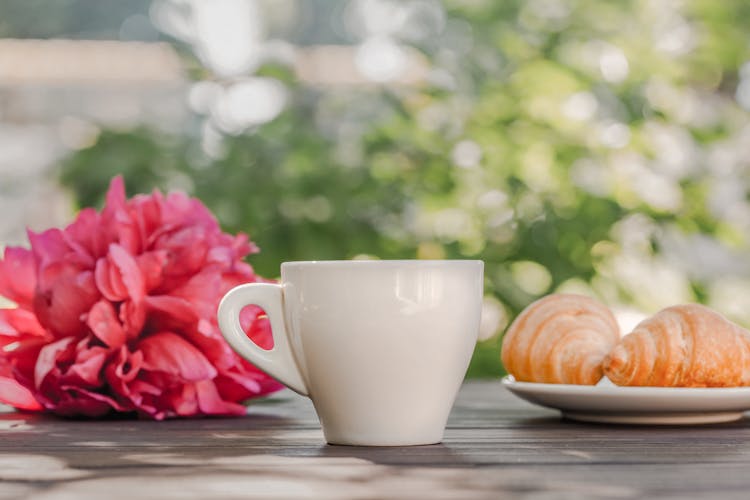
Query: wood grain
[(496, 446)]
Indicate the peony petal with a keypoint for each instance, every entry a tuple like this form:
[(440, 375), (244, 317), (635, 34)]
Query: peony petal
[(185, 402), (69, 294), (47, 359), (146, 213), (72, 381), (176, 309), (48, 246), (257, 326), (236, 386), (18, 359), (133, 317), (128, 268), (14, 394), (18, 276), (127, 233), (203, 292), (128, 365), (180, 209), (151, 265), (87, 369), (243, 246), (210, 402), (121, 373), (74, 401), (221, 255), (83, 236), (115, 198), (88, 373), (187, 248), (103, 321), (117, 218), (108, 281), (98, 397), (207, 337), (170, 353), (20, 322)]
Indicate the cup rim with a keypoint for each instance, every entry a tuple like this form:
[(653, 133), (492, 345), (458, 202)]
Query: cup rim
[(382, 263)]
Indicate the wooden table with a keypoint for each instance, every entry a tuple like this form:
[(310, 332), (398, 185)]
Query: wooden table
[(496, 446)]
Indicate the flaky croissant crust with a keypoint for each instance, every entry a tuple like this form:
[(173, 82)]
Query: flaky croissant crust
[(682, 346), (560, 339)]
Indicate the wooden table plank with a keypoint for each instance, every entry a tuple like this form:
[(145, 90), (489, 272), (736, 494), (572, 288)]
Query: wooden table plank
[(496, 445)]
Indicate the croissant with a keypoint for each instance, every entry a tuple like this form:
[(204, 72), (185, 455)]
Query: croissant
[(560, 339), (682, 346)]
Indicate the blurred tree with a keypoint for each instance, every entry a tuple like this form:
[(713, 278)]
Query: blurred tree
[(280, 184), (84, 19), (589, 146)]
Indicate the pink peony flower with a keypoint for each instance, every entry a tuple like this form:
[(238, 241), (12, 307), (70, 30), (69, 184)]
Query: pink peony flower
[(117, 313)]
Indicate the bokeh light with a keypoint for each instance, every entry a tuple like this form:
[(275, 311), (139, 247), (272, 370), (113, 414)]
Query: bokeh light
[(591, 147)]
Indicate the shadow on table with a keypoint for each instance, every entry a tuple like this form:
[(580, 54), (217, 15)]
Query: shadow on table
[(550, 421), (33, 418), (564, 422), (429, 455)]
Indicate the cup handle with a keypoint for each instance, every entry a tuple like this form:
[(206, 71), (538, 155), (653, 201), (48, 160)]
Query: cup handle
[(277, 362)]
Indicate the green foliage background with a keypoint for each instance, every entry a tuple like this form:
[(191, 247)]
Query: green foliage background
[(372, 170)]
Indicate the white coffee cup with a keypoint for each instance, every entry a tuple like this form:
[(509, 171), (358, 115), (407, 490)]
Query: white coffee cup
[(381, 347)]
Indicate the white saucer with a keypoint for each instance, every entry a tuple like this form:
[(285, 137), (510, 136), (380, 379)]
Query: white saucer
[(608, 403)]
